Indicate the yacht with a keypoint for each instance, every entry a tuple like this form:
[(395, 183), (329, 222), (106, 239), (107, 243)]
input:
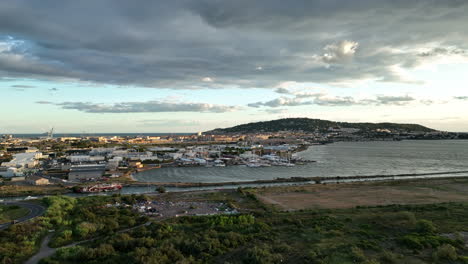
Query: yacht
[(253, 165)]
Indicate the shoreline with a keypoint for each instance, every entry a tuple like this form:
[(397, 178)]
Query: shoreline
[(312, 180), (309, 181)]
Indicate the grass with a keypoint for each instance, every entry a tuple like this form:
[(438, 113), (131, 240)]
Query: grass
[(369, 194), (11, 212), (16, 190)]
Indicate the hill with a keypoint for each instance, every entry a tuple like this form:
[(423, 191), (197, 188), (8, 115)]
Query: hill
[(312, 125)]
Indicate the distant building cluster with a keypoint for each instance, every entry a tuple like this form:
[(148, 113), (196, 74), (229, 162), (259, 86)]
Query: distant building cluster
[(71, 160)]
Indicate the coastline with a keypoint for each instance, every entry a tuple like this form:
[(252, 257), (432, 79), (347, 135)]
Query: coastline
[(312, 180), (281, 182)]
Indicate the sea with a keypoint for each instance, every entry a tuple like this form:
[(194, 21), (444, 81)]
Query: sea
[(56, 135), (337, 159)]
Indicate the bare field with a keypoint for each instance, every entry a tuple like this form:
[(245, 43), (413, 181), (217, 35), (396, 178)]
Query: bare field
[(348, 195)]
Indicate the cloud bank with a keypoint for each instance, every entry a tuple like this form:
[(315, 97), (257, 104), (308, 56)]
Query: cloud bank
[(213, 44), (143, 107), (324, 99)]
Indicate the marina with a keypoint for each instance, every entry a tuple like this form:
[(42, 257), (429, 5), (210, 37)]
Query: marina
[(341, 159)]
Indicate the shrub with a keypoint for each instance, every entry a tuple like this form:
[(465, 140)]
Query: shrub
[(411, 242), (161, 189), (357, 254), (445, 252), (388, 257), (425, 227)]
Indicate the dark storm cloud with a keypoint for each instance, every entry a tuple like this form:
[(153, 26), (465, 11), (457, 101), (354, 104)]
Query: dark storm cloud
[(179, 44), (144, 107)]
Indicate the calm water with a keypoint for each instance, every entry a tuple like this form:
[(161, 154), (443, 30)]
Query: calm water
[(338, 159), (56, 135)]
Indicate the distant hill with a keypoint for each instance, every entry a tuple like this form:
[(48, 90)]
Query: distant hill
[(311, 125)]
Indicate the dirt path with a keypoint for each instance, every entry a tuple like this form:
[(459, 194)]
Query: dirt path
[(269, 200), (46, 251)]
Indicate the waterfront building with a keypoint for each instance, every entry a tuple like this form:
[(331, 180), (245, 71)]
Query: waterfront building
[(36, 180), (86, 172)]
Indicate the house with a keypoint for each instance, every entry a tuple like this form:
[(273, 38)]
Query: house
[(36, 180)]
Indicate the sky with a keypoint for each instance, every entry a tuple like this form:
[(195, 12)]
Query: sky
[(187, 66)]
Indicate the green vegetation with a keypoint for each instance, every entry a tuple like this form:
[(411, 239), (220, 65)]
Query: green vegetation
[(19, 190), (161, 189), (387, 234), (312, 125), (72, 219), (80, 219), (11, 212), (383, 234)]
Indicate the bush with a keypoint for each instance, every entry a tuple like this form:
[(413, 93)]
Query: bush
[(445, 252), (425, 227), (411, 242), (388, 257), (357, 254), (261, 255)]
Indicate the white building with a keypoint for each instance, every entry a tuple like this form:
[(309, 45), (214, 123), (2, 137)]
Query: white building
[(85, 158), (8, 172), (24, 160)]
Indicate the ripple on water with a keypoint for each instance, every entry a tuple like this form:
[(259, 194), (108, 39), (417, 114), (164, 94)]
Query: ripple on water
[(338, 159)]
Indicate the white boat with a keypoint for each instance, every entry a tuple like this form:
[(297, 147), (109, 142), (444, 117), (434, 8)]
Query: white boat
[(30, 198), (253, 165), (219, 163)]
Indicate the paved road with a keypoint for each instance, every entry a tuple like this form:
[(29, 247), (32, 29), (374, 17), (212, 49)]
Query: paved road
[(35, 210)]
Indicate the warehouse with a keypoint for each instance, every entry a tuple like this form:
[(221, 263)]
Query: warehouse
[(86, 172)]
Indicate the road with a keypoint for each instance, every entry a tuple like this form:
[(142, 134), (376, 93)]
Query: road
[(46, 251), (35, 210)]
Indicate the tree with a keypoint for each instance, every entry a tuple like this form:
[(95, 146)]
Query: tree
[(425, 227), (161, 189)]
